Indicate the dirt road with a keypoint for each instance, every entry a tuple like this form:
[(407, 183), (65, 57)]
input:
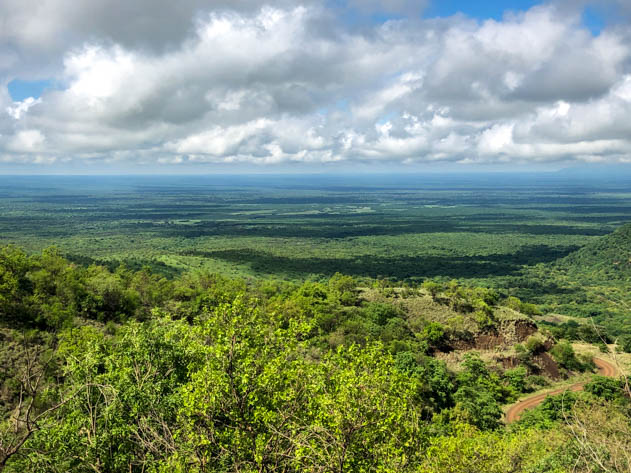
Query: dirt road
[(514, 413)]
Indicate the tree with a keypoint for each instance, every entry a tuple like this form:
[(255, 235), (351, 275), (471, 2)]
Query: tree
[(37, 398), (479, 394), (470, 450), (433, 288), (434, 334), (13, 284), (344, 288), (624, 342), (601, 435), (610, 389), (123, 400), (564, 355), (363, 415), (246, 392), (254, 403)]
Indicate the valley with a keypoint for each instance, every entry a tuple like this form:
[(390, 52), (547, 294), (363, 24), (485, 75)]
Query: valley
[(185, 323)]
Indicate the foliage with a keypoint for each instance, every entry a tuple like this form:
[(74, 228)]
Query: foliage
[(564, 355), (470, 450), (203, 372), (534, 345), (610, 389), (517, 379), (624, 342), (550, 412), (601, 437), (574, 331), (479, 394), (123, 417)]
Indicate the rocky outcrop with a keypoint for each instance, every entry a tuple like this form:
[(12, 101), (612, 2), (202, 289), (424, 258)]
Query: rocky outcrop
[(508, 362), (517, 331), (541, 363), (547, 365), (509, 333)]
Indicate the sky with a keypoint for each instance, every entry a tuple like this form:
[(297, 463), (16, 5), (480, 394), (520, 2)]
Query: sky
[(319, 85)]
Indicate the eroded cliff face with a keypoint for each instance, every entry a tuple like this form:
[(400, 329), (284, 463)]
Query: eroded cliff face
[(507, 334), (542, 363), (517, 331)]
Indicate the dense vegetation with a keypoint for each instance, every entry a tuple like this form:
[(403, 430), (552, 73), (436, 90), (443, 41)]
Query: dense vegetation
[(594, 280), (507, 232), (127, 370), (401, 227), (377, 323)]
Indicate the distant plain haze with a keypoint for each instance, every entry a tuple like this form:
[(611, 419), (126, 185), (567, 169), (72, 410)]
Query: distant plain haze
[(154, 86)]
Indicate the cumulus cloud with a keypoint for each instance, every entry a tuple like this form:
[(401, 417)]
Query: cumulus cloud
[(243, 83), (408, 7), (17, 109)]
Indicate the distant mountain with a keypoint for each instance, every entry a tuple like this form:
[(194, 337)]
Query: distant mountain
[(608, 257)]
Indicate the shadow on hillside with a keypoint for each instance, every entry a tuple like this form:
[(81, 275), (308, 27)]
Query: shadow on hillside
[(349, 227), (399, 267)]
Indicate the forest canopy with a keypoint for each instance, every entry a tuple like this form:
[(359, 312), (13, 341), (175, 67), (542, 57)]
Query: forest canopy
[(126, 370)]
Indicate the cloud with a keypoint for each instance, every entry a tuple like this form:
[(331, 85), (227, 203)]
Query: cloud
[(17, 109), (244, 83), (26, 141), (406, 7)]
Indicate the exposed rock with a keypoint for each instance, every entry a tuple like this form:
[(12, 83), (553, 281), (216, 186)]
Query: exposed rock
[(488, 341), (508, 362), (541, 364), (517, 331), (510, 332), (548, 365)]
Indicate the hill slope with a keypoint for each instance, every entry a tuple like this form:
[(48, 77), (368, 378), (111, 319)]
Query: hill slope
[(606, 258), (590, 282)]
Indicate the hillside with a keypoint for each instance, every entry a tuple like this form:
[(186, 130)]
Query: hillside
[(606, 258), (134, 372), (591, 282)]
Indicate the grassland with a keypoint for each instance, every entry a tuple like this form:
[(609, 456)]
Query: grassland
[(403, 228), (392, 364), (503, 231)]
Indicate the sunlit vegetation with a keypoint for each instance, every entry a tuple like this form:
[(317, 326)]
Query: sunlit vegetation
[(127, 370), (279, 325)]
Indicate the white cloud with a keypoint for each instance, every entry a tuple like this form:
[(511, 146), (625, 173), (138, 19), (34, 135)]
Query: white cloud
[(410, 7), (17, 109), (278, 84), (26, 141)]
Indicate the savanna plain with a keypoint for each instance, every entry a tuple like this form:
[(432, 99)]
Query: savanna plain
[(376, 322)]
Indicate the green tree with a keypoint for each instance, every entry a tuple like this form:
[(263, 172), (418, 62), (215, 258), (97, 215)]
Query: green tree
[(564, 355), (624, 342), (241, 407), (479, 394), (123, 415)]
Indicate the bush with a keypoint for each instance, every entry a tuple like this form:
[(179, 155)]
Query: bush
[(534, 345), (517, 378), (434, 334), (535, 382), (607, 388), (380, 313), (433, 288), (624, 342), (564, 355)]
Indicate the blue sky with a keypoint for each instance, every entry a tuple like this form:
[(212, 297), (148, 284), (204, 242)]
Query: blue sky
[(23, 89), (594, 15), (477, 9)]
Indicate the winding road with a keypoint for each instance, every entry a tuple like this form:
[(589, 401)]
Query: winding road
[(514, 412)]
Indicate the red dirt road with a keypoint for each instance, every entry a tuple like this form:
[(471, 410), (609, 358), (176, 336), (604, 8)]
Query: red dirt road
[(514, 413)]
